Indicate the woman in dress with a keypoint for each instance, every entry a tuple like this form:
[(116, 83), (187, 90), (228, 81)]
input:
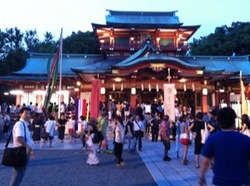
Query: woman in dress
[(196, 128), (37, 124), (92, 148)]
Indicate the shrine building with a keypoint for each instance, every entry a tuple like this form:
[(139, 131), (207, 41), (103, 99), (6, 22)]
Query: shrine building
[(142, 53)]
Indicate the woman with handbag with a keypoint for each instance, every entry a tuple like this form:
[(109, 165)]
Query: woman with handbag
[(196, 127), (184, 138)]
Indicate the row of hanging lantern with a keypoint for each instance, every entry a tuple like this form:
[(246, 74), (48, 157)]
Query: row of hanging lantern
[(157, 87)]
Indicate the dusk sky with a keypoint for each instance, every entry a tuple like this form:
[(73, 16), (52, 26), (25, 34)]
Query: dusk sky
[(75, 15)]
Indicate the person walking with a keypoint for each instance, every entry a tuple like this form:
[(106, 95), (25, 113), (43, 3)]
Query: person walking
[(196, 128), (37, 125), (230, 150), (119, 139), (155, 123), (104, 126), (49, 126), (129, 132), (61, 123), (138, 129), (92, 148), (165, 135), (184, 138), (22, 137)]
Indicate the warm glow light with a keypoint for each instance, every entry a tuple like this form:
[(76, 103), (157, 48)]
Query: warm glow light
[(39, 92), (132, 38), (204, 91), (16, 92), (62, 92), (103, 91), (6, 93), (133, 90), (78, 83), (118, 79), (182, 80), (199, 72), (76, 89)]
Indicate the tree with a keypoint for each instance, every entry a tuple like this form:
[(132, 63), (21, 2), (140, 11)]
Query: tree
[(14, 39), (31, 39), (80, 43), (234, 40)]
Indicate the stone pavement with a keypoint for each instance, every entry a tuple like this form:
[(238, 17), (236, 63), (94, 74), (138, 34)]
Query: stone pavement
[(171, 173)]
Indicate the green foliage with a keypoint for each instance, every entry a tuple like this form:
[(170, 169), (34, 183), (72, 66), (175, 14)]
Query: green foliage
[(16, 59), (80, 43), (225, 41)]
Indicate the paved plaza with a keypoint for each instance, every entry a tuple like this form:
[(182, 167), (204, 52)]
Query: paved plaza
[(140, 166)]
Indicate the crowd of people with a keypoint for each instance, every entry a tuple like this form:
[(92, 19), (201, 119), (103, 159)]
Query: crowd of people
[(131, 126)]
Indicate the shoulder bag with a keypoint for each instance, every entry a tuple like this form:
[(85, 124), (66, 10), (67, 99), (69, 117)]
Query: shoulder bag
[(16, 156), (204, 133)]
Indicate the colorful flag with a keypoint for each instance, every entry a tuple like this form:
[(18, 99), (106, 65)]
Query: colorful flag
[(244, 109), (52, 77), (52, 69)]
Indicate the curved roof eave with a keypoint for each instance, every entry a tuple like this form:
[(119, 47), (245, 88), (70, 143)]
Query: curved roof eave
[(156, 59)]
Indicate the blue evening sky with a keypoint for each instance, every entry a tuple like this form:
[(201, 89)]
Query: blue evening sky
[(75, 15)]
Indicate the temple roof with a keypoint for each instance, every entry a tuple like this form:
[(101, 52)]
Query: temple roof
[(139, 17), (37, 63)]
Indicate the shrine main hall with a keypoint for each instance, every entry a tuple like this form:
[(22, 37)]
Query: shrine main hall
[(144, 57)]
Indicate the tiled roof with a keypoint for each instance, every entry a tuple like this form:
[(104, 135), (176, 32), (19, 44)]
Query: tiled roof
[(222, 63), (37, 63), (135, 17), (103, 66)]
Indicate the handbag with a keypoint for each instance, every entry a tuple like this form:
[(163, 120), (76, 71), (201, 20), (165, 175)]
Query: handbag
[(97, 137), (204, 134), (140, 133), (16, 156)]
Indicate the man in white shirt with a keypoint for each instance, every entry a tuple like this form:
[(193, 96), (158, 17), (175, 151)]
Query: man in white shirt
[(138, 130), (21, 137)]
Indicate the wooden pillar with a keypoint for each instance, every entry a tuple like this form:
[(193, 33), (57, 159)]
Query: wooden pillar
[(204, 108), (133, 101), (18, 99), (39, 99)]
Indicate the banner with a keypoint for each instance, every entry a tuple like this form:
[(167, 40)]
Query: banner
[(169, 100)]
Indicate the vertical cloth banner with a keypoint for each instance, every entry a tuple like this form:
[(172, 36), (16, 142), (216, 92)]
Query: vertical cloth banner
[(80, 107), (95, 98), (52, 69), (52, 77), (169, 99), (244, 109)]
